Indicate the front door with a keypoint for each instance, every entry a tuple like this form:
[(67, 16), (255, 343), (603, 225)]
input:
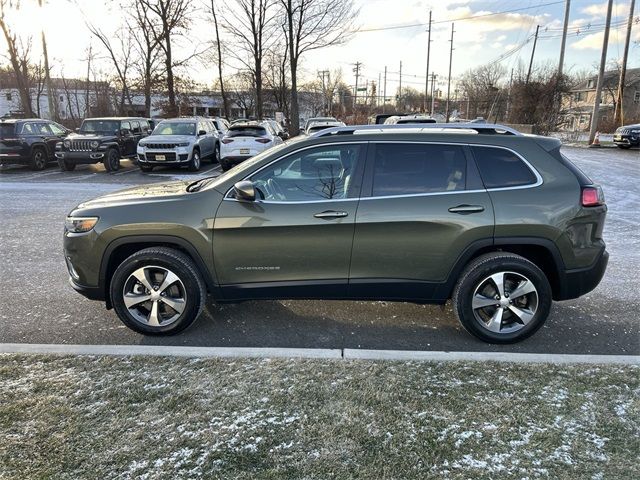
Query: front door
[(128, 140), (295, 240), (422, 205)]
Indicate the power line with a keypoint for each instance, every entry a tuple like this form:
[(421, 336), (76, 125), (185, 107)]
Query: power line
[(397, 27)]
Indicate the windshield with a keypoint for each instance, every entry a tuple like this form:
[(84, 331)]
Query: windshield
[(100, 126), (175, 128), (247, 131), (248, 165)]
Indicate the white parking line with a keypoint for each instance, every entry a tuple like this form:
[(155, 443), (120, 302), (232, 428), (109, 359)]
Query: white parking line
[(127, 171), (346, 354)]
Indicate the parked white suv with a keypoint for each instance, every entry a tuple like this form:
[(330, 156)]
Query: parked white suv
[(182, 142), (244, 140)]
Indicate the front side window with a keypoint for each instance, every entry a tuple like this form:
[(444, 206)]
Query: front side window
[(500, 168), (414, 168), (322, 173), (125, 126), (56, 129), (135, 127)]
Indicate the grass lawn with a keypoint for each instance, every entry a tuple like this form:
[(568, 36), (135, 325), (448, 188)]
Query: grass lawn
[(149, 417)]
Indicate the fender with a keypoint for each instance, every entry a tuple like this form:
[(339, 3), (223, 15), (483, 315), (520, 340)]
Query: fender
[(40, 145), (210, 282)]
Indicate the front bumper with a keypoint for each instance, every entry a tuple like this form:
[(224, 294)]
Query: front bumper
[(172, 157), (581, 281), (92, 293), (626, 139), (80, 158)]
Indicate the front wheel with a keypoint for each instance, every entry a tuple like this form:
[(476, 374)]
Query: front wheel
[(194, 164), (502, 298), (157, 291), (38, 159), (66, 165), (145, 168), (624, 147), (112, 162)]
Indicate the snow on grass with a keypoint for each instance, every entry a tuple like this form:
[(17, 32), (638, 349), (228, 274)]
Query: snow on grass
[(154, 418)]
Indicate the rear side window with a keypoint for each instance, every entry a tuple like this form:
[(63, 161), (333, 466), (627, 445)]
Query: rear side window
[(247, 131), (7, 130), (405, 169), (500, 168)]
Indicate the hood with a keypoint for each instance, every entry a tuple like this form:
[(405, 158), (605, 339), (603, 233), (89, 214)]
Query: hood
[(136, 195), (168, 139), (90, 136)]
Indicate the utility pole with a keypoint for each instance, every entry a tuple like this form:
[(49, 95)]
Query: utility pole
[(426, 85), (567, 7), (506, 114), (618, 116), (399, 103), (378, 91), (449, 79), (603, 60), (322, 74), (357, 72), (433, 90), (533, 51), (384, 91), (87, 110)]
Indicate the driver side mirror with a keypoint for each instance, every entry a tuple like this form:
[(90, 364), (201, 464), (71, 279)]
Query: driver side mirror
[(245, 191), (125, 132), (202, 132), (283, 135)]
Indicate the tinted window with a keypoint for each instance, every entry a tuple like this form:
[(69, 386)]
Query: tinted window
[(322, 173), (100, 126), (7, 130), (247, 131), (502, 168), (405, 168)]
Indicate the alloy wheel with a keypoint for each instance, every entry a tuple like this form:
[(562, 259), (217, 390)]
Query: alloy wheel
[(505, 302), (39, 160), (154, 296)]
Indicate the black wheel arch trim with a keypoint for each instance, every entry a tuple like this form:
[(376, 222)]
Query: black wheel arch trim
[(42, 146), (209, 281)]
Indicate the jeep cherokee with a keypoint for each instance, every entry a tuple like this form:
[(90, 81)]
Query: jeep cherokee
[(105, 140), (498, 222)]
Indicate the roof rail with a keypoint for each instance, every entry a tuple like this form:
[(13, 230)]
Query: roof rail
[(480, 128)]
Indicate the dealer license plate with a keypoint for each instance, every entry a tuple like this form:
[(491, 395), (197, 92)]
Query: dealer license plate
[(160, 157), (244, 151)]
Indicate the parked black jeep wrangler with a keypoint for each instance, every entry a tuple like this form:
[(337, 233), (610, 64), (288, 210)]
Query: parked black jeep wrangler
[(105, 140)]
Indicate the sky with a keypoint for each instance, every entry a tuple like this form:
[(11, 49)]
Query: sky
[(491, 36)]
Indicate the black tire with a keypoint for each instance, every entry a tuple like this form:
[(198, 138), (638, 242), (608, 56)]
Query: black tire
[(224, 165), (195, 162), (216, 154), (146, 168), (112, 160), (39, 159), (477, 274), (164, 258), (66, 166), (624, 147)]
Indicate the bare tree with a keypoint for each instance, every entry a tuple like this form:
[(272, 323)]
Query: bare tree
[(481, 86), (252, 24), (173, 17), (241, 86), (19, 58), (277, 78), (225, 100), (121, 56), (147, 48), (311, 25)]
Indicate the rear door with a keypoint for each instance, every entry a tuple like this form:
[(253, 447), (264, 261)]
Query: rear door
[(422, 205), (295, 240)]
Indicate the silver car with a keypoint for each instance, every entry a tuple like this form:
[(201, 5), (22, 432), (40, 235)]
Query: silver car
[(180, 142)]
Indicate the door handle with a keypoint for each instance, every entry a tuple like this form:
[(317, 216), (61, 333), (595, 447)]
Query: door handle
[(466, 209), (329, 214)]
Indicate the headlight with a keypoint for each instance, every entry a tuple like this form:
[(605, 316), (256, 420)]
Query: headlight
[(95, 144), (80, 224), (635, 131), (185, 144), (140, 144), (66, 143)]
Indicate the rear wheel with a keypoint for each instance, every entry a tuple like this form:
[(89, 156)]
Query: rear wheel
[(224, 165), (38, 159), (502, 298), (66, 165), (216, 154), (157, 291), (194, 164), (112, 161)]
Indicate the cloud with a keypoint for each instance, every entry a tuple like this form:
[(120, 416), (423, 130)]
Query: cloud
[(600, 9), (594, 40)]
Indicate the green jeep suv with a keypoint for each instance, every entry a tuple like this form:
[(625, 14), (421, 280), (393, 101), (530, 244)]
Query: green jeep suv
[(498, 222)]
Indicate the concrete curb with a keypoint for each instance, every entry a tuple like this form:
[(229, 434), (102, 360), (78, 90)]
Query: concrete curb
[(170, 351), (317, 353), (556, 358)]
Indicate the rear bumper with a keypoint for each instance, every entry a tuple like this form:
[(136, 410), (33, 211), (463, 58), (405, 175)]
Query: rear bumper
[(14, 157), (81, 157), (234, 160), (581, 281)]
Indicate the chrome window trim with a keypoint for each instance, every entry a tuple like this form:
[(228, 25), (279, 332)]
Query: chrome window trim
[(539, 180), (226, 195)]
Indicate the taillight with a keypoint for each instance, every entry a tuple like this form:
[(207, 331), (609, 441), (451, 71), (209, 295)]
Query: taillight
[(592, 196), (227, 140), (263, 140)]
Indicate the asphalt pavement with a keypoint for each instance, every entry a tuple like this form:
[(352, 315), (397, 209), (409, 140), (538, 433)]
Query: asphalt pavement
[(38, 306)]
